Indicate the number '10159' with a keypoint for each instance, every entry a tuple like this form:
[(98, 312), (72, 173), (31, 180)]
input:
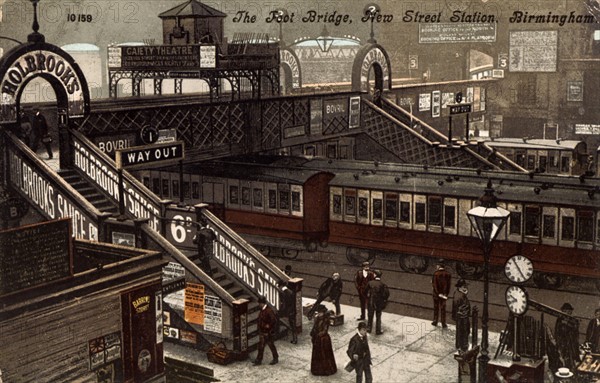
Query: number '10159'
[(72, 17)]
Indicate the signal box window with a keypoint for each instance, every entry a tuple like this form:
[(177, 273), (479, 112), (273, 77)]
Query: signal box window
[(548, 226), (377, 209), (363, 207), (435, 211), (515, 223), (532, 221), (420, 213), (449, 212), (405, 211), (585, 226), (568, 225)]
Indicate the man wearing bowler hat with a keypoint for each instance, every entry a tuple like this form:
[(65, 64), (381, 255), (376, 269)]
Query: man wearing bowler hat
[(461, 313), (267, 320), (566, 333), (360, 354), (361, 281), (378, 294), (441, 288)]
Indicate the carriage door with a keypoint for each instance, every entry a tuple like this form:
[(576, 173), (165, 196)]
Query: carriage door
[(142, 333)]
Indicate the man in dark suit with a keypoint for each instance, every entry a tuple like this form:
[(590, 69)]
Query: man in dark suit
[(287, 308), (332, 288), (360, 354), (592, 335), (267, 320), (441, 288), (461, 314), (361, 280), (378, 294), (204, 239)]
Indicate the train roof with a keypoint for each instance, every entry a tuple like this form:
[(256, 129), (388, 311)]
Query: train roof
[(407, 178), (539, 144)]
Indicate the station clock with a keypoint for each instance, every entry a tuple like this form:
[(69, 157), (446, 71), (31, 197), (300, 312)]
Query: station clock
[(148, 134), (517, 300), (518, 269)]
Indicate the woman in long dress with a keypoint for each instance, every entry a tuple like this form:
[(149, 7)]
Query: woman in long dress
[(322, 362)]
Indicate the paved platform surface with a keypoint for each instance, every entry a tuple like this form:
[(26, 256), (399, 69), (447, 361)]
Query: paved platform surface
[(410, 350)]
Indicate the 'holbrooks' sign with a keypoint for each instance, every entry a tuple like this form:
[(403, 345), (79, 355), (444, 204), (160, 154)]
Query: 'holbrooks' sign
[(142, 156)]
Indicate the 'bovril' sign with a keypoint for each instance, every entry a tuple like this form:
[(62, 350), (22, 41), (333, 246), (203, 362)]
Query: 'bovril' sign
[(140, 156)]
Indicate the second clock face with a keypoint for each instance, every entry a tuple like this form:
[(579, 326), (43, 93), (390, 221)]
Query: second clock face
[(516, 300), (518, 269)]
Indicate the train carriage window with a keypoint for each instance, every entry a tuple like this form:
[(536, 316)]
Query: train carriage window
[(543, 164), (598, 231), (363, 207), (146, 181), (186, 190), (234, 195), (434, 213), (530, 162), (420, 213), (350, 202), (405, 211), (520, 159), (391, 207), (272, 199), (284, 200), (257, 197), (245, 196), (175, 188), (195, 190), (165, 188), (548, 227), (565, 163), (337, 204), (377, 209), (156, 186), (449, 216), (567, 228), (515, 223), (532, 221), (585, 226), (295, 201)]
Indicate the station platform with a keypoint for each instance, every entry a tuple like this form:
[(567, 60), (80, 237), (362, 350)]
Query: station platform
[(409, 350)]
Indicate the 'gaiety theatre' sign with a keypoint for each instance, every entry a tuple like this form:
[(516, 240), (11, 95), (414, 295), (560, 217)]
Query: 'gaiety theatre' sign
[(52, 64)]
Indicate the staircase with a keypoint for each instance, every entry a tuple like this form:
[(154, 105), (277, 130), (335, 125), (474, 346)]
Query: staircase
[(88, 191)]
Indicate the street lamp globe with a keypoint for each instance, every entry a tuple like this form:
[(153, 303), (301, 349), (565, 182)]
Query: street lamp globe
[(487, 220)]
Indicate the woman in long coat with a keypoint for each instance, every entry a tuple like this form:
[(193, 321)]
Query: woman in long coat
[(322, 362)]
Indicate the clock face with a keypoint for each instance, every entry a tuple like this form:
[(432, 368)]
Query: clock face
[(516, 300), (518, 269)]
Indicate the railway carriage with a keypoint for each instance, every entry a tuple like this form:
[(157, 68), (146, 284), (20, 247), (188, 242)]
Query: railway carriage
[(412, 212)]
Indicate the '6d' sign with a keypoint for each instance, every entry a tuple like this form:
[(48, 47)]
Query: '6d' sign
[(156, 154)]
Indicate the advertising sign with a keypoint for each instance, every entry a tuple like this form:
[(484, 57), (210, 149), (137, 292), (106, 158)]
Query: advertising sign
[(533, 51), (440, 33), (194, 303), (161, 57)]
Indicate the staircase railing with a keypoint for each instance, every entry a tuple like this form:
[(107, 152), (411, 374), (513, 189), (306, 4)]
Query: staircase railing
[(43, 188)]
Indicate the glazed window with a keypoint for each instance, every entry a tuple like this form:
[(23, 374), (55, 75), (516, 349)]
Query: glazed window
[(405, 211), (186, 189), (195, 190), (350, 205), (257, 197), (549, 224), (377, 209), (245, 196), (295, 201), (564, 164), (272, 199), (284, 200), (585, 226), (420, 213), (337, 204), (598, 231), (568, 225), (391, 209), (435, 211), (363, 207), (175, 188), (165, 188), (515, 223), (156, 186), (147, 182), (233, 195), (449, 214), (532, 221)]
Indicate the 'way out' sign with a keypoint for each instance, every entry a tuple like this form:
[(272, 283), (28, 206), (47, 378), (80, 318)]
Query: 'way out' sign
[(142, 156)]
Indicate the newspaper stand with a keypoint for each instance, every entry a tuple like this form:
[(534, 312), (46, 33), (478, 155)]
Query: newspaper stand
[(589, 368)]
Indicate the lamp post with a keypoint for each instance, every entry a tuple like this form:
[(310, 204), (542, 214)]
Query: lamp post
[(487, 220), (324, 41)]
